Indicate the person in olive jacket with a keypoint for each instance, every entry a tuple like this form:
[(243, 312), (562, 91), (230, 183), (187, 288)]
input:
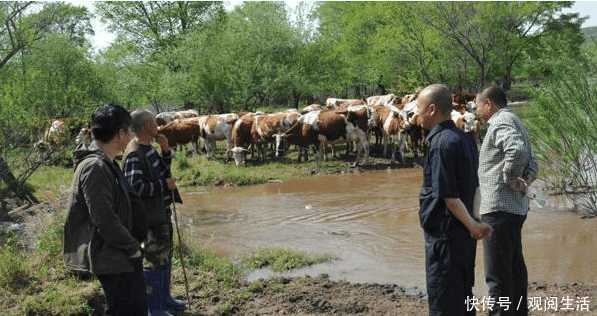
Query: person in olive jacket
[(98, 235)]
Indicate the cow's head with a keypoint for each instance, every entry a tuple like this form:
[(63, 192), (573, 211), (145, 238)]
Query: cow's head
[(373, 118), (239, 155), (281, 144)]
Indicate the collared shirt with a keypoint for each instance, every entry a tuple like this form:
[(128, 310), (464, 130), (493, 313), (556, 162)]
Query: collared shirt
[(506, 154), (141, 184), (450, 172)]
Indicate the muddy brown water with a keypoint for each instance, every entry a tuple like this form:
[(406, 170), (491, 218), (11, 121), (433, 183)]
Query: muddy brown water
[(369, 222)]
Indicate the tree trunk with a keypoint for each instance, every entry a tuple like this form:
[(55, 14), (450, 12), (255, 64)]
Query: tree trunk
[(13, 185), (508, 78), (482, 76)]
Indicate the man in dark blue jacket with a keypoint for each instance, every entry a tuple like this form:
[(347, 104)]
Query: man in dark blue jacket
[(446, 202)]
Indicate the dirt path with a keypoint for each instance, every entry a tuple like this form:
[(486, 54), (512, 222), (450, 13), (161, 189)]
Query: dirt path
[(321, 296)]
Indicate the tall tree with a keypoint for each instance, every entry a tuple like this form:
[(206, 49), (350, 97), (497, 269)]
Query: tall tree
[(155, 25), (24, 26)]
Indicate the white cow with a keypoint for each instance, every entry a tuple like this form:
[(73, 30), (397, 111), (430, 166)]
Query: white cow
[(216, 128)]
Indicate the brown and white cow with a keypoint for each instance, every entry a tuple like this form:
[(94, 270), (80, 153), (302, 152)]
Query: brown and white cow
[(84, 136), (468, 123), (383, 100), (268, 125), (181, 132), (53, 136), (336, 103), (392, 126), (318, 128), (311, 108), (217, 128), (364, 118), (167, 117), (415, 132), (244, 137)]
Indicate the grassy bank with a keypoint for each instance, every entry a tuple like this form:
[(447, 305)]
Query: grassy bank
[(33, 280), (193, 171), (280, 260), (199, 171)]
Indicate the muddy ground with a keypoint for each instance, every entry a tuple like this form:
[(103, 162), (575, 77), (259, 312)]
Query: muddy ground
[(321, 296), (305, 295)]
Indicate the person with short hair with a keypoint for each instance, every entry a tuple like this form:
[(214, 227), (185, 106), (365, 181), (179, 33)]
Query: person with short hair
[(98, 235), (506, 168), (149, 174), (446, 206)]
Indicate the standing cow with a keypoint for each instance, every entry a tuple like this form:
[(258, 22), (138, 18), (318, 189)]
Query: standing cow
[(318, 128), (181, 132), (216, 128)]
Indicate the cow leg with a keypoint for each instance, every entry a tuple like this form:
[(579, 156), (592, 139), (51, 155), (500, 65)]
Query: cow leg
[(206, 146), (364, 145), (262, 150), (228, 148), (401, 145), (385, 145), (318, 159)]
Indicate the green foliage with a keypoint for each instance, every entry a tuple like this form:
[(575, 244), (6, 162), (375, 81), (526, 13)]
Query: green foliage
[(259, 55), (564, 131), (182, 162), (282, 259), (14, 273)]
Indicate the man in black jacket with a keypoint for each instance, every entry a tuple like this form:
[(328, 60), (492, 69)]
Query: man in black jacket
[(446, 200), (149, 174)]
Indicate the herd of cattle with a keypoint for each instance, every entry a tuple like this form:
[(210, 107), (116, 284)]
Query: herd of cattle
[(392, 120)]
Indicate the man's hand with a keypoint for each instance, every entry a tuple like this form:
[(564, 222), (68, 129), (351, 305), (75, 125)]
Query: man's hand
[(163, 141), (136, 255), (171, 184), (518, 185), (480, 230)]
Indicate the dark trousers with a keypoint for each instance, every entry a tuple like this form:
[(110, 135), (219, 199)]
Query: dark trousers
[(505, 270), (125, 293), (450, 272)]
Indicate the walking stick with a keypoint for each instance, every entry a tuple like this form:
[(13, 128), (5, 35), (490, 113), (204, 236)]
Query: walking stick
[(184, 270)]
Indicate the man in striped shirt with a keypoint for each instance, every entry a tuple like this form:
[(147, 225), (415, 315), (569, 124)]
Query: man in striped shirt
[(506, 168), (149, 175)]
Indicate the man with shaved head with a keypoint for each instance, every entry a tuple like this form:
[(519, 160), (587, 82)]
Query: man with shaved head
[(446, 206)]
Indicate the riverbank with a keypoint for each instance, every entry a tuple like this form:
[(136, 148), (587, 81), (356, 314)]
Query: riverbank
[(33, 280), (193, 172)]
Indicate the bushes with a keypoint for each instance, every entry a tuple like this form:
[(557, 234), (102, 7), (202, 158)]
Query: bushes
[(563, 127)]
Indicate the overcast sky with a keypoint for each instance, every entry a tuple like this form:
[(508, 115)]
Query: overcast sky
[(103, 38)]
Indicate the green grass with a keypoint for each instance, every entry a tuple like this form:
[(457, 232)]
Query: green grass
[(190, 172), (48, 180), (14, 274), (34, 282), (199, 171), (280, 259)]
